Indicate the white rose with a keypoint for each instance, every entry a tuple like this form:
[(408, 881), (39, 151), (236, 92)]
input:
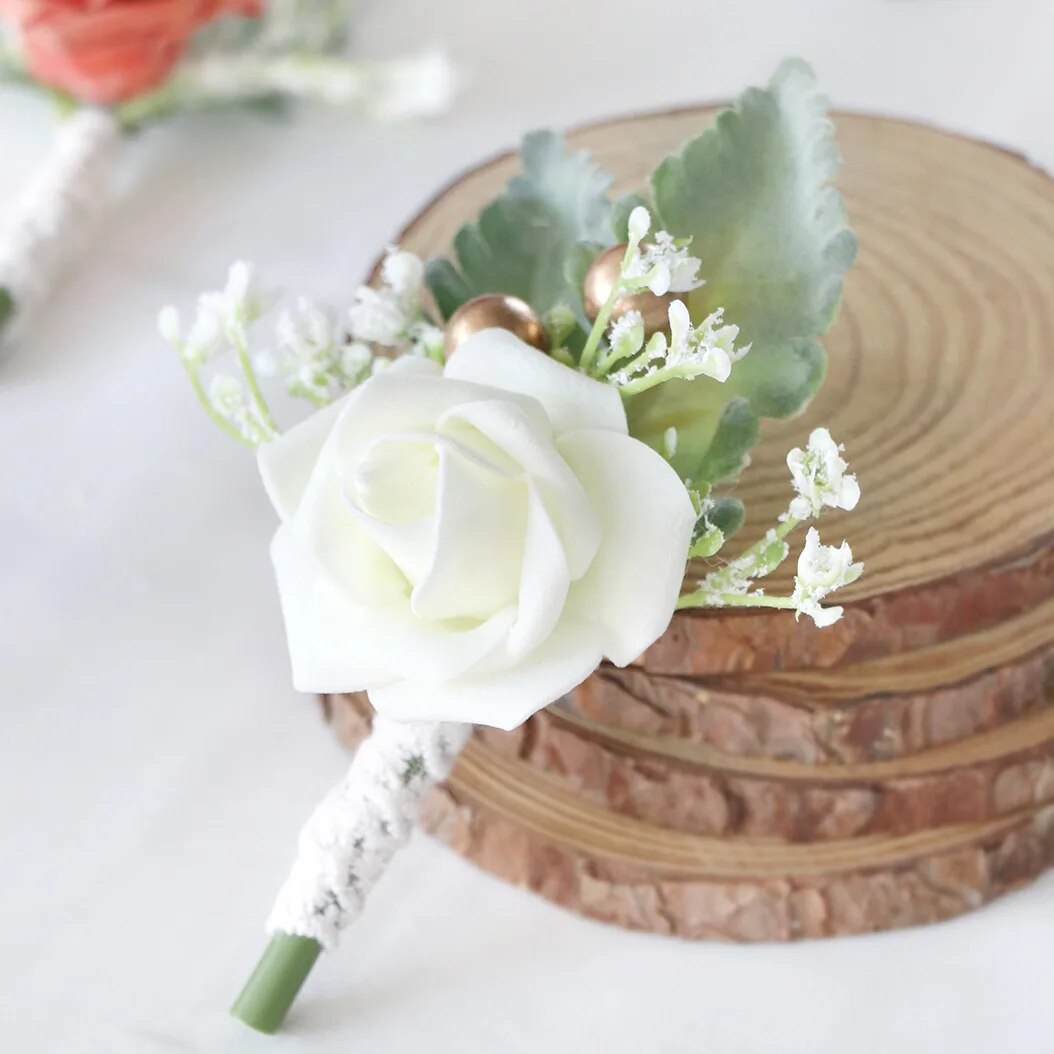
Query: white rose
[(467, 543)]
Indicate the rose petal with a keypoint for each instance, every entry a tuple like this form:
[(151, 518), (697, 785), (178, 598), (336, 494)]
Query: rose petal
[(498, 358), (286, 463), (502, 699), (631, 589), (544, 582), (329, 526), (392, 494), (474, 567), (337, 645), (518, 436), (403, 401)]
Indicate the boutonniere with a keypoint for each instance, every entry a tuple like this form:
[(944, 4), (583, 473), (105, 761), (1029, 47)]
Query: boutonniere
[(114, 67), (519, 459)]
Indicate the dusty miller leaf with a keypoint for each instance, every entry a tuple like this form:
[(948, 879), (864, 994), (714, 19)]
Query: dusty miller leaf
[(521, 242), (752, 192)]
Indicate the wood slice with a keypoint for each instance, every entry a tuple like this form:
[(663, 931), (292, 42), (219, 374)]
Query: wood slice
[(691, 787), (623, 871), (938, 385), (753, 777), (868, 711)]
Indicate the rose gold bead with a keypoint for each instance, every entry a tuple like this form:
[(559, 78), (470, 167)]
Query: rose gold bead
[(600, 280), (495, 311)]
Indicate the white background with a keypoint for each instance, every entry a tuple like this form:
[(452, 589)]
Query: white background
[(154, 763)]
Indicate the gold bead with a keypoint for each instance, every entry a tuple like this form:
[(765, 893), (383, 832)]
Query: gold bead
[(600, 280), (495, 311)]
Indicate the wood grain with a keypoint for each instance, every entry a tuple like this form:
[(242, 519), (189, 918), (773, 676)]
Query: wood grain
[(938, 384), (752, 777), (546, 839), (862, 712)]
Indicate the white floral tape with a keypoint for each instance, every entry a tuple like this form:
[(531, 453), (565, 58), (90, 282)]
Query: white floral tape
[(57, 210), (359, 826)]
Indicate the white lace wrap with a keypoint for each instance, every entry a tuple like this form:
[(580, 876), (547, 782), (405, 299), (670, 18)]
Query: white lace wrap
[(58, 209), (358, 827)]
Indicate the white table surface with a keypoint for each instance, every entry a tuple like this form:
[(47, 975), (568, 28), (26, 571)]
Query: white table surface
[(154, 763)]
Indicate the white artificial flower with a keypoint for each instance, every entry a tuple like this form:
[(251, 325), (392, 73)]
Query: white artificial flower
[(356, 362), (228, 398), (666, 265), (308, 354), (223, 316), (821, 570), (227, 395), (403, 273), (205, 338), (426, 340), (466, 543), (389, 315), (378, 317), (626, 335), (819, 476), (419, 86), (669, 443), (169, 325), (675, 271), (706, 350), (241, 302), (639, 224), (308, 334)]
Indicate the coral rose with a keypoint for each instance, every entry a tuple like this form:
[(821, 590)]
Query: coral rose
[(105, 51)]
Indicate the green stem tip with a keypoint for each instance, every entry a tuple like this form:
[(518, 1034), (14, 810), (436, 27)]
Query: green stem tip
[(270, 991)]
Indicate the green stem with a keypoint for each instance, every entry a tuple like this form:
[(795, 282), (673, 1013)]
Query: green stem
[(746, 563), (604, 366), (206, 404), (702, 598), (600, 324), (141, 109), (241, 350), (273, 985), (782, 530), (642, 384)]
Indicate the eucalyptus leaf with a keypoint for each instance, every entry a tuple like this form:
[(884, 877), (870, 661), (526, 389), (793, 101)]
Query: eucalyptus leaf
[(522, 241), (752, 193)]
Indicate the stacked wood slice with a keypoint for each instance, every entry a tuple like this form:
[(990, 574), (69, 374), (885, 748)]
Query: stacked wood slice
[(753, 777)]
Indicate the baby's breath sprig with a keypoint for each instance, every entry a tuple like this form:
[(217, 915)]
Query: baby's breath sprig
[(391, 315), (706, 350), (662, 266), (618, 353), (221, 324), (820, 479), (313, 357)]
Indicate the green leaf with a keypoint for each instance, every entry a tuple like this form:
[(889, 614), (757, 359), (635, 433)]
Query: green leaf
[(727, 514), (752, 193), (520, 243), (620, 211), (736, 431)]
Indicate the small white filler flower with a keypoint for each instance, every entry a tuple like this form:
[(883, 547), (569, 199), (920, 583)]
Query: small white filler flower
[(821, 570)]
